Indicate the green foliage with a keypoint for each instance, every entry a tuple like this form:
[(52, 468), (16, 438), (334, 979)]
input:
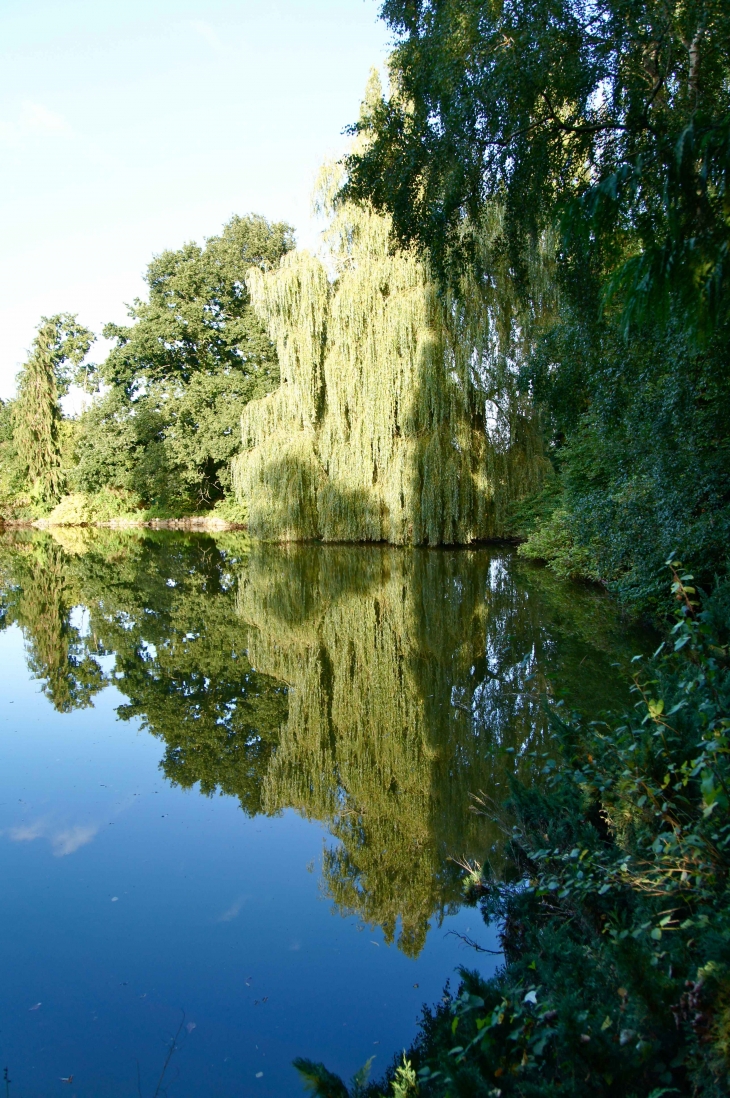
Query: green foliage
[(576, 159), (55, 360), (198, 317), (13, 482), (378, 431), (609, 120), (230, 511), (107, 505), (554, 542), (615, 906), (325, 1084), (319, 1081), (641, 432), (181, 373)]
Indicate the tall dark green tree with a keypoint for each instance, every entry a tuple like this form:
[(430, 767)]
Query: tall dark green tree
[(595, 137), (610, 118), (55, 360)]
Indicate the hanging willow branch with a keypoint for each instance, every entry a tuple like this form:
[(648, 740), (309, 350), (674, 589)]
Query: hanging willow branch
[(380, 428)]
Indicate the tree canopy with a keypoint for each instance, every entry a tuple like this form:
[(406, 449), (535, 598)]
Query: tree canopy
[(378, 430), (181, 372), (611, 119)]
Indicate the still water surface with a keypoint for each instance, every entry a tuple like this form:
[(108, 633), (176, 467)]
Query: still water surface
[(232, 780)]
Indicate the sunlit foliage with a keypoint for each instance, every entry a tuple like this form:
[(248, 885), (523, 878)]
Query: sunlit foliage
[(181, 372), (58, 351), (379, 430)]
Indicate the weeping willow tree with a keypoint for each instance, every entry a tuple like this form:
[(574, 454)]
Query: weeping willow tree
[(396, 418)]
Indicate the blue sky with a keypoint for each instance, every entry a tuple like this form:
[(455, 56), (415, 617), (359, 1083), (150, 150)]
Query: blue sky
[(129, 126)]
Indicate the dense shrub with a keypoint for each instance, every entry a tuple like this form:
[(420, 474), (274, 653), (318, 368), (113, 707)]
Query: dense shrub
[(641, 441)]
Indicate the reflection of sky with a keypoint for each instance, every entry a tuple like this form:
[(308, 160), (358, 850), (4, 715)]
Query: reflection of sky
[(63, 840), (126, 901)]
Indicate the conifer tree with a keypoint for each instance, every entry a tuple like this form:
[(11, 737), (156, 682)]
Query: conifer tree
[(58, 350)]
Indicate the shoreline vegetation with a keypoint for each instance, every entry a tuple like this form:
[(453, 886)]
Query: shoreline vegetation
[(518, 326), (184, 522)]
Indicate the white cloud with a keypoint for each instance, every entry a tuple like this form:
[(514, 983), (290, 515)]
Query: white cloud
[(208, 33), (39, 119), (29, 832)]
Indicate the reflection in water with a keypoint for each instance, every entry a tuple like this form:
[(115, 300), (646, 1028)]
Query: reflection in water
[(372, 688), (38, 593)]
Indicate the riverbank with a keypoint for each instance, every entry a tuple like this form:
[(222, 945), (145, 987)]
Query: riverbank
[(107, 509), (190, 522)]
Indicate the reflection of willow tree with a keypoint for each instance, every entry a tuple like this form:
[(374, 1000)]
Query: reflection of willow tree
[(40, 593), (372, 688), (407, 671)]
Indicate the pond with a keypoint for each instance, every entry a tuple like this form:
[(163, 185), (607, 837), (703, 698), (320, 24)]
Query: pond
[(236, 781)]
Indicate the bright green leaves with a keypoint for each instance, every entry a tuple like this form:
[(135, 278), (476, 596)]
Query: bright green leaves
[(182, 372)]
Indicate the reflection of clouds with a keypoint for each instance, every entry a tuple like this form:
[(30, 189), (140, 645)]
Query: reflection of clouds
[(64, 840), (70, 840), (232, 911), (28, 832)]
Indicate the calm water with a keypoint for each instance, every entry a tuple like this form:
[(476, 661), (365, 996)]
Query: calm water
[(232, 779)]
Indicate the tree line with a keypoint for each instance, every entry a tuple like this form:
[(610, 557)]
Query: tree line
[(561, 171), (161, 417)]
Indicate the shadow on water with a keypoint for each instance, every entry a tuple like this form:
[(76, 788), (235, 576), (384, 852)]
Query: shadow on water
[(372, 688)]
